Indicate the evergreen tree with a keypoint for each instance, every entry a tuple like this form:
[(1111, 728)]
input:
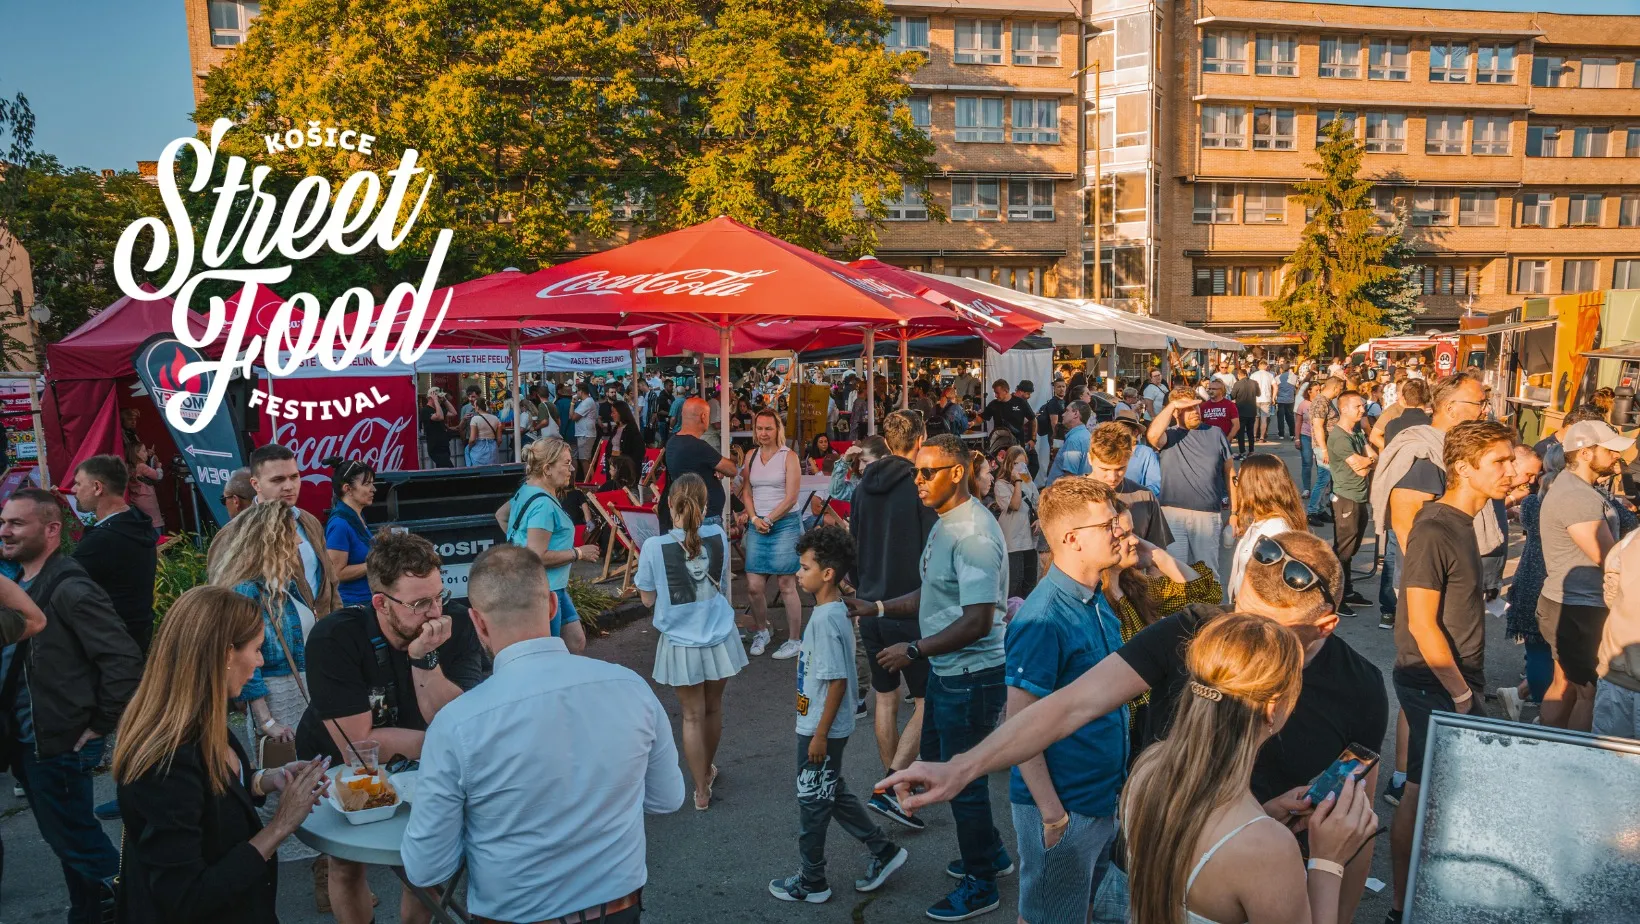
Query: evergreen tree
[(1326, 293), (1398, 296)]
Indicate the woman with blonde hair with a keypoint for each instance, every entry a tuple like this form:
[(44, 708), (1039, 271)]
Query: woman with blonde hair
[(684, 575), (1196, 853), (194, 850), (1013, 499), (535, 518), (1267, 504), (769, 490)]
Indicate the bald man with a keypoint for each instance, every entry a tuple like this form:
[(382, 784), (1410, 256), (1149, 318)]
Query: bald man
[(688, 453)]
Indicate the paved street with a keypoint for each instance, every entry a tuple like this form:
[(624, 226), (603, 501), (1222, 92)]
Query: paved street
[(714, 866)]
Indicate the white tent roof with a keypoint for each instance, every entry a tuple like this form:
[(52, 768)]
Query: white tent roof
[(1073, 326), (1187, 337)]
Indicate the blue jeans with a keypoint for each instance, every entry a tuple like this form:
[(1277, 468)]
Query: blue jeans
[(59, 793), (1386, 580), (961, 710), (1306, 458), (1321, 492), (1540, 669)]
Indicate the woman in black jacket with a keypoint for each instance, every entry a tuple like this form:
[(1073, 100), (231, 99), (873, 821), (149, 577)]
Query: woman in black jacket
[(195, 851)]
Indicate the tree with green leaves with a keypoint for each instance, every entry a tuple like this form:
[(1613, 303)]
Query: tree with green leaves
[(1326, 293), (549, 125), (1399, 295)]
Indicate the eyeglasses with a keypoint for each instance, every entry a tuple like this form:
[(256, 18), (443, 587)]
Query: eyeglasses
[(926, 473), (1295, 574), (423, 606), (1113, 524)]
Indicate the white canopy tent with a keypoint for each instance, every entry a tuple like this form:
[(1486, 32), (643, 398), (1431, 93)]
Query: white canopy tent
[(1187, 338), (1073, 326)]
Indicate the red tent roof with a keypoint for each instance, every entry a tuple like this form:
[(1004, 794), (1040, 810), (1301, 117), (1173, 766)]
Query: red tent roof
[(104, 347)]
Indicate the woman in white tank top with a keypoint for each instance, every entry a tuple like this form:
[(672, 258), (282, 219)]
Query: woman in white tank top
[(1200, 848), (769, 484)]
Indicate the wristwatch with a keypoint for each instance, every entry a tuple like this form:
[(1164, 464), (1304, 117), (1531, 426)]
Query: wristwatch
[(426, 662), (913, 652)]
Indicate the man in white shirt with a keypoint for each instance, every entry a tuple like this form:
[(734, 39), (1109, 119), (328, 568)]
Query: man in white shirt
[(585, 417), (539, 777), (1155, 394), (1266, 397)]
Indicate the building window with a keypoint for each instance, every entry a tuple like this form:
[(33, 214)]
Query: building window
[(1264, 204), (922, 114), (1340, 58), (1542, 141), (1577, 275), (1491, 135), (1273, 130), (1036, 44), (1036, 121), (1215, 204), (230, 20), (1325, 118), (1598, 73), (1589, 142), (1387, 132), (1132, 120), (1275, 55), (1537, 210), (1448, 280), (1030, 200), (1021, 278), (1432, 207), (1548, 71), (979, 118), (907, 33), (1449, 62), (979, 41), (1387, 59), (1531, 276), (1628, 211), (1443, 134), (1632, 149), (1583, 210), (909, 207), (1383, 203), (1237, 280), (1224, 127), (975, 200), (1495, 64), (1478, 208), (1224, 52), (1626, 275), (1211, 280)]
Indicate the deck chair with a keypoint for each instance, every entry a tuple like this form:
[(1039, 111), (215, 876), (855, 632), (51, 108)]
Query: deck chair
[(604, 504), (837, 513), (596, 470)]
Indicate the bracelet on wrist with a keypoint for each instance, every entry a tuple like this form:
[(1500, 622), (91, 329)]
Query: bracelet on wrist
[(1465, 697), (1057, 825), (1325, 866)]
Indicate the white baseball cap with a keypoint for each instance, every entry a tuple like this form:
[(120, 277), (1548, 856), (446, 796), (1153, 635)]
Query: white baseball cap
[(1586, 433)]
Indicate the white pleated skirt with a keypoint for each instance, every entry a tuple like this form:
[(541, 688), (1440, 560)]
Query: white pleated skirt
[(677, 666)]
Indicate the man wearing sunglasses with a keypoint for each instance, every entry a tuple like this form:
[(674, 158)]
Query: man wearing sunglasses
[(1440, 639), (959, 608), (1196, 475), (1292, 578), (380, 673)]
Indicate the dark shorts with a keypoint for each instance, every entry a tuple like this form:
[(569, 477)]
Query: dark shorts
[(879, 633), (1573, 633), (1418, 704)]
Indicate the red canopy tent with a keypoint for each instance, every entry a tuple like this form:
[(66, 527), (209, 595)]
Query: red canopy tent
[(89, 375)]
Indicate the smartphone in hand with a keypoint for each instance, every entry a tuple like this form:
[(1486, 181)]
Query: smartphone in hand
[(1354, 763)]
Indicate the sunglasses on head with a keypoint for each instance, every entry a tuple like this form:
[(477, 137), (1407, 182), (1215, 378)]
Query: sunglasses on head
[(1295, 574)]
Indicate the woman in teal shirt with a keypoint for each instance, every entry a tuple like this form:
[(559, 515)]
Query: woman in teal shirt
[(534, 518)]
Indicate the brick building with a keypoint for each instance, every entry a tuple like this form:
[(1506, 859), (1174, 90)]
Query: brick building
[(1508, 137)]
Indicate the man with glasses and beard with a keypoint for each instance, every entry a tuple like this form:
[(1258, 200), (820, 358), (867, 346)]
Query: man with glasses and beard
[(381, 673), (1292, 578), (959, 608)]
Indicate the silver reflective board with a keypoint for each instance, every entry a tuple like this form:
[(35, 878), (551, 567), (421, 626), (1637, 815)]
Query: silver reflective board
[(1521, 824)]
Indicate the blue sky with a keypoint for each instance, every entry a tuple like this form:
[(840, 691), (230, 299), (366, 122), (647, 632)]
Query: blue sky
[(109, 79)]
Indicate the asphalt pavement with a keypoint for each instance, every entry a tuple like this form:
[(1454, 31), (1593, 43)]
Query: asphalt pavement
[(715, 866)]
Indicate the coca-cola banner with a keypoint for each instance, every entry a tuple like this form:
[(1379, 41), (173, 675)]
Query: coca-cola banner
[(352, 417)]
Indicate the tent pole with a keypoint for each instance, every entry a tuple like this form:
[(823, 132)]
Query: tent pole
[(636, 373), (905, 378), (723, 391), (39, 432), (871, 382), (517, 406)]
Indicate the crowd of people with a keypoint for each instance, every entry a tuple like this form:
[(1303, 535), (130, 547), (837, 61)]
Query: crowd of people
[(1131, 615)]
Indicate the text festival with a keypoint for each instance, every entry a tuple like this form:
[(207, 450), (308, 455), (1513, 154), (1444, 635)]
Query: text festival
[(309, 222)]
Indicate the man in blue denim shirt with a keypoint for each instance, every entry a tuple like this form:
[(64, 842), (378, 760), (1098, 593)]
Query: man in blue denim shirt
[(959, 609), (1072, 458), (1064, 800)]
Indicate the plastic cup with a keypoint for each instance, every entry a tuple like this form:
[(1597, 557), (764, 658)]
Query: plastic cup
[(364, 755)]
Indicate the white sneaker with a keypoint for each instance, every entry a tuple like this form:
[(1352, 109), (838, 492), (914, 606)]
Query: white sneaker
[(788, 649), (1306, 495), (1510, 697), (760, 641)]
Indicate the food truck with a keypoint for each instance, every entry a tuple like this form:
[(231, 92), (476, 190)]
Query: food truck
[(1433, 351)]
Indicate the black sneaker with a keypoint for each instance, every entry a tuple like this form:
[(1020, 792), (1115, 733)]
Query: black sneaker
[(860, 708), (1345, 610), (878, 871), (1004, 863), (1394, 917), (1387, 620), (1356, 598), (1393, 792), (793, 890), (888, 805)]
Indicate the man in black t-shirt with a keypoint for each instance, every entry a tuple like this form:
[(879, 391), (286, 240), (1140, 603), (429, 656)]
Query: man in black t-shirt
[(380, 673), (687, 454), (1342, 700), (1004, 412), (1048, 418), (435, 416), (1440, 639)]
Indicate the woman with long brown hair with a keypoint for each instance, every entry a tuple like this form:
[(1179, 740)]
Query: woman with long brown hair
[(1267, 504), (1196, 852), (195, 851), (684, 576)]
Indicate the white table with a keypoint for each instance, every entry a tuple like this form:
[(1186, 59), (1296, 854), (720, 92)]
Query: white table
[(377, 844)]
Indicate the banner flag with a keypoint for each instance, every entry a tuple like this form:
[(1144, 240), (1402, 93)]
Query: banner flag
[(213, 452)]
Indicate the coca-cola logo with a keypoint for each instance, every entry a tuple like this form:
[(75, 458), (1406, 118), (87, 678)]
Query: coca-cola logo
[(719, 282), (872, 286), (375, 440)]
